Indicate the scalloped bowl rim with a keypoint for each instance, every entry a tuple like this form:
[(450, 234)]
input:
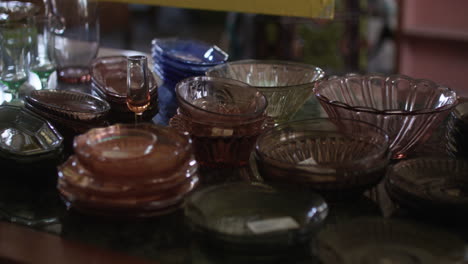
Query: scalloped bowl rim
[(320, 71), (371, 110)]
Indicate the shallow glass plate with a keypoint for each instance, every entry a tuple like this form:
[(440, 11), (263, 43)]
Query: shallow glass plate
[(23, 133), (428, 183), (375, 240), (254, 217), (69, 104)]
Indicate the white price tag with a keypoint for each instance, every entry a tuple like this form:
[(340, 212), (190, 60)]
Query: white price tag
[(221, 132), (309, 161), (272, 224)]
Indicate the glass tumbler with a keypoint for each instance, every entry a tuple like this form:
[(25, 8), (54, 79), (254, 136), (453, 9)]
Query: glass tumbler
[(74, 38), (14, 44)]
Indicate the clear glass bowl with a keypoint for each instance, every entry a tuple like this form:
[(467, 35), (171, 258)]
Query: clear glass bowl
[(286, 85), (335, 157), (254, 218), (132, 154), (377, 240), (409, 110), (69, 104), (430, 184), (26, 136)]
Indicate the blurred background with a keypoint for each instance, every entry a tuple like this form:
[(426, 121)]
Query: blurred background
[(419, 38)]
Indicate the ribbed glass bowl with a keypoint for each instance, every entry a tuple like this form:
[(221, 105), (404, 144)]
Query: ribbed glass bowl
[(408, 109), (334, 157), (286, 85), (430, 185)]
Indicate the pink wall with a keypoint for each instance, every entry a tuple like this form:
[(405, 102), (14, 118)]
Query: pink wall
[(434, 41)]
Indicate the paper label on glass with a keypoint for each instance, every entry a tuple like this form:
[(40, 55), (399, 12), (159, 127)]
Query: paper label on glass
[(309, 161), (221, 132), (272, 225)]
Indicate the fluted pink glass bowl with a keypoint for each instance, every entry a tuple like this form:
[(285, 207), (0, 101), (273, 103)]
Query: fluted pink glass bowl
[(408, 109)]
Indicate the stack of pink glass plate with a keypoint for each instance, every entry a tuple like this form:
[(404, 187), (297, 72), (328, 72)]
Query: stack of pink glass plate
[(128, 171), (109, 81)]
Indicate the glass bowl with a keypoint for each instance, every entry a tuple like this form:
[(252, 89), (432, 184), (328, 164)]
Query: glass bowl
[(334, 157), (409, 110), (377, 240), (22, 133), (457, 132), (69, 104), (430, 185), (286, 85), (131, 154), (254, 218), (218, 100)]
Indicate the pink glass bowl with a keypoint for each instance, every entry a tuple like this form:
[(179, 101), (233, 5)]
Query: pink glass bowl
[(325, 155), (408, 109), (219, 101), (286, 85), (131, 154)]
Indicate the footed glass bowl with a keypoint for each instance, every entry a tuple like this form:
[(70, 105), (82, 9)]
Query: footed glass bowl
[(335, 157), (408, 109), (286, 85)]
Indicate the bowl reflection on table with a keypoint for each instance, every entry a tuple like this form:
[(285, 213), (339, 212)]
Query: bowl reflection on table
[(335, 157), (409, 110), (223, 117), (286, 85)]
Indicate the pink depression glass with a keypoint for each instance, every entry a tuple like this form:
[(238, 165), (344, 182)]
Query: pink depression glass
[(223, 117), (408, 109)]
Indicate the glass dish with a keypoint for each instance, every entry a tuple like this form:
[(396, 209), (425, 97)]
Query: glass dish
[(188, 52), (24, 134), (430, 184), (218, 100), (377, 240), (409, 110), (69, 104), (254, 218), (133, 154), (457, 131), (224, 145), (286, 85), (335, 157)]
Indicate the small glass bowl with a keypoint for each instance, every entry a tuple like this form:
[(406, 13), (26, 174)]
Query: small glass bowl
[(457, 132), (335, 157), (69, 104), (217, 100), (286, 85), (408, 109), (254, 218), (130, 154), (430, 185), (224, 145), (378, 240)]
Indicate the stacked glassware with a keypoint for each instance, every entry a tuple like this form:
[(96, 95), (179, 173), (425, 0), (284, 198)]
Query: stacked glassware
[(128, 171), (176, 59)]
